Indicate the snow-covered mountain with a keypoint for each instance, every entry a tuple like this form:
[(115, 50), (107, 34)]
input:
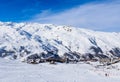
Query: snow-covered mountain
[(19, 40)]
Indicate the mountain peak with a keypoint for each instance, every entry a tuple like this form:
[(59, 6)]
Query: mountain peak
[(36, 38)]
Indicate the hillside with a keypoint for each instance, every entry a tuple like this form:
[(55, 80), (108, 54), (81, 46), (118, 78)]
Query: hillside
[(21, 40)]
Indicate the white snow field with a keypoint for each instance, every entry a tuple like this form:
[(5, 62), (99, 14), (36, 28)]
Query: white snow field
[(20, 40), (15, 71)]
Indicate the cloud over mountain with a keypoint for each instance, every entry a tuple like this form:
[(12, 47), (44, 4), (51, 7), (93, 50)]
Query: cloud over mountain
[(98, 16)]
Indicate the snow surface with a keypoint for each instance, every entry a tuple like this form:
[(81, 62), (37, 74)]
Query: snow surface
[(39, 38), (15, 71)]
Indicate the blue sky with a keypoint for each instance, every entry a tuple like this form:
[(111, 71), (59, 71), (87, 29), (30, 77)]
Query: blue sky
[(21, 10), (103, 15)]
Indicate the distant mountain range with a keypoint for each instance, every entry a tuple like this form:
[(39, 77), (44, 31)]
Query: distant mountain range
[(21, 40)]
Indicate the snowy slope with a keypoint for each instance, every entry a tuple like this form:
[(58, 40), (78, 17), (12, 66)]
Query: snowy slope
[(22, 40), (15, 71), (37, 38)]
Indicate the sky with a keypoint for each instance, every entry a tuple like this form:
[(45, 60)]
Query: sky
[(101, 15)]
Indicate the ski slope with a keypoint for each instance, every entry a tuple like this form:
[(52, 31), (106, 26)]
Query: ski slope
[(15, 71)]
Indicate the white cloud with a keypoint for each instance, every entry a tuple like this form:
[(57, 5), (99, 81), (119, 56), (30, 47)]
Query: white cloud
[(102, 16)]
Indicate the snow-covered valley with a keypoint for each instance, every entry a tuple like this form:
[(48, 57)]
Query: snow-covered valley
[(80, 55), (15, 71)]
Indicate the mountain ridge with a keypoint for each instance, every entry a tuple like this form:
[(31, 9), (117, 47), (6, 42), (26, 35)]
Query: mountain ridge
[(25, 39)]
